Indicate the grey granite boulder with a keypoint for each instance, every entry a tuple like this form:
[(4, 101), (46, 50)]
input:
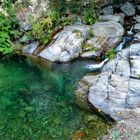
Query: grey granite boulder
[(116, 90), (128, 8), (108, 10), (116, 18), (106, 36), (67, 45)]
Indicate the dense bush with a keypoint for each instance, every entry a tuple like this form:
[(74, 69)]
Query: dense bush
[(8, 25), (44, 28)]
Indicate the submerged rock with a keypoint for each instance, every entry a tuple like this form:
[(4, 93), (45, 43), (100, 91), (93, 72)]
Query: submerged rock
[(117, 89)]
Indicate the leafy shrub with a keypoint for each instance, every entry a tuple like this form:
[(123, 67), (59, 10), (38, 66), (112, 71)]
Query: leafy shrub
[(111, 54), (5, 42), (44, 28), (8, 25), (70, 7), (91, 33), (89, 17)]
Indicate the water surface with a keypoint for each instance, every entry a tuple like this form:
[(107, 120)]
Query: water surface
[(39, 103)]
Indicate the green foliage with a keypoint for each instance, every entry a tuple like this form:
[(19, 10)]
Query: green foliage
[(89, 17), (86, 47), (75, 31), (8, 25), (115, 135), (5, 42), (111, 54), (91, 33), (72, 7), (44, 28)]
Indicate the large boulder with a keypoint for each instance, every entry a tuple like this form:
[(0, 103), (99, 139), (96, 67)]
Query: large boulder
[(116, 90), (116, 18), (65, 46), (106, 36), (68, 44)]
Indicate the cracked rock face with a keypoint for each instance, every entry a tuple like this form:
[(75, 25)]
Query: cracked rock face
[(116, 90), (67, 44), (106, 36)]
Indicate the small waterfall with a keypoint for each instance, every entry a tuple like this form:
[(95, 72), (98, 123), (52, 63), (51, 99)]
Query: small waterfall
[(120, 46), (126, 40), (97, 66), (130, 32)]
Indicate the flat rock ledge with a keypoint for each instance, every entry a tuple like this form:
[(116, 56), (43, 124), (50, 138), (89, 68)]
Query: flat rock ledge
[(116, 90)]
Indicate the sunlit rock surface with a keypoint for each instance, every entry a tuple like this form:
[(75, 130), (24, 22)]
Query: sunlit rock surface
[(106, 36), (117, 89), (68, 44)]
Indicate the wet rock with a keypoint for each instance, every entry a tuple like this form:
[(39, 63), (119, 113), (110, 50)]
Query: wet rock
[(133, 96), (135, 66), (138, 8), (68, 44), (128, 8), (108, 10), (83, 90), (117, 89), (26, 26), (30, 48), (115, 18)]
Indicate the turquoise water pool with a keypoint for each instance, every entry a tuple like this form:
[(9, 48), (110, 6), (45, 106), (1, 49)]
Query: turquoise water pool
[(38, 103)]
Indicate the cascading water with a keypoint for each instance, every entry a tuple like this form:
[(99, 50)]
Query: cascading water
[(97, 67), (126, 40)]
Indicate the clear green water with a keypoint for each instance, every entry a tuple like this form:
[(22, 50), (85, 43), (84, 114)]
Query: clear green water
[(39, 103)]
